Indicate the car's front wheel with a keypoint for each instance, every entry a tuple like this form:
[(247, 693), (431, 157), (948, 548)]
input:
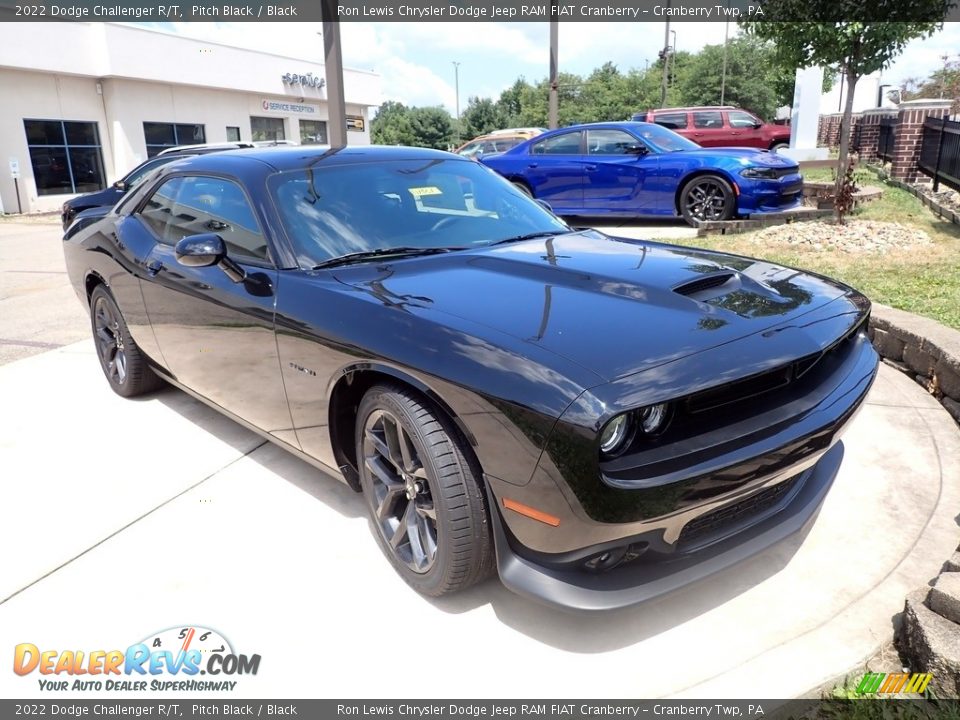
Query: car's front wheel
[(121, 359), (706, 198), (423, 493)]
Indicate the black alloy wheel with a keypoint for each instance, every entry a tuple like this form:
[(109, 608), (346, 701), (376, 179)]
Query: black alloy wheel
[(122, 361), (423, 494), (706, 198)]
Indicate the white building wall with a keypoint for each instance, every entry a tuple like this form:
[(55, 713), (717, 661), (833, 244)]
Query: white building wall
[(121, 77)]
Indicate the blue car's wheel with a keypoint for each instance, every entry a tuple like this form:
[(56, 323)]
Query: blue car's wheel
[(707, 198), (522, 187)]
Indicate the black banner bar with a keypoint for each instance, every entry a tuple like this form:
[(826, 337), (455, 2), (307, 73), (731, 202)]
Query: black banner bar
[(194, 709), (457, 11)]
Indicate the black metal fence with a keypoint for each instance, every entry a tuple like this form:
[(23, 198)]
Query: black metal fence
[(886, 138), (940, 152)]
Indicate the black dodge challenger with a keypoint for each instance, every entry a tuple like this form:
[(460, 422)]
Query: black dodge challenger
[(603, 420)]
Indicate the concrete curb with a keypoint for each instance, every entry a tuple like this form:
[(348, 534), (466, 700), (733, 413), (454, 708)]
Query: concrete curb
[(941, 211), (923, 349)]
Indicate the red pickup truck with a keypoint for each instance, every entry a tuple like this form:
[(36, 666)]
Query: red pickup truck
[(720, 126)]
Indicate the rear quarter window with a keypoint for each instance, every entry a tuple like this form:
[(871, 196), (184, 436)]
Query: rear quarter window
[(674, 121)]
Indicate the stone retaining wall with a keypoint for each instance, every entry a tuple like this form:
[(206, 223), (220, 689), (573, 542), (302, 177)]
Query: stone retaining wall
[(929, 635), (924, 349)]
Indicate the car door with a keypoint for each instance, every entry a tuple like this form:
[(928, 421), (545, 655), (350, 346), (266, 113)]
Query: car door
[(554, 170), (708, 129), (745, 129), (617, 179), (216, 335)]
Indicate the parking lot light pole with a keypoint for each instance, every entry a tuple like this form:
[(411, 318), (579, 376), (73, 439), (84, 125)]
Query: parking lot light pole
[(554, 106), (456, 88), (333, 65), (723, 73), (666, 64)]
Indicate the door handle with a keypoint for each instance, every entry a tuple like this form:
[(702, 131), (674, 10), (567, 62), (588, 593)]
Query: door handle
[(532, 165), (154, 266), (590, 168)]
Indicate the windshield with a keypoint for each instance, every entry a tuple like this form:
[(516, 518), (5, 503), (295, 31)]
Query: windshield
[(665, 140), (329, 212)]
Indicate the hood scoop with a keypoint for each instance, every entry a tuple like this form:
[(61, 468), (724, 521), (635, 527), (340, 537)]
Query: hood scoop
[(700, 285)]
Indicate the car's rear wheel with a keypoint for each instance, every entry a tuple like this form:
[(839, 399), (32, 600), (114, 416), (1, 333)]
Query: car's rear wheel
[(522, 187), (707, 197), (423, 492), (777, 147), (122, 361)]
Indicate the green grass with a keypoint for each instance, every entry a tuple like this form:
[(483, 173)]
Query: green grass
[(923, 280)]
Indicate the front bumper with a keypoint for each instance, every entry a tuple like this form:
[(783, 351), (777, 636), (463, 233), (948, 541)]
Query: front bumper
[(754, 488), (767, 196), (640, 581)]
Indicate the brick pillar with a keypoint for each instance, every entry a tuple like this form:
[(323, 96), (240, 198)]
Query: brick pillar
[(822, 131), (833, 130), (909, 133), (870, 134)]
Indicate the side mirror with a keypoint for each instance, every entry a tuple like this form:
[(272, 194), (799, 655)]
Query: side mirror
[(200, 250), (205, 250), (757, 125), (120, 185), (639, 150), (545, 205)]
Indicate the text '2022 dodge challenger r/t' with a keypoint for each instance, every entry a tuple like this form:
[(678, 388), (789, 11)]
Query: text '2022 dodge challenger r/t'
[(602, 420), (633, 169)]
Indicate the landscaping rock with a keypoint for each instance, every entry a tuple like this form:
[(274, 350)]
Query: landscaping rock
[(953, 407), (855, 236), (918, 360), (931, 644), (888, 345), (953, 564), (948, 380), (945, 596)]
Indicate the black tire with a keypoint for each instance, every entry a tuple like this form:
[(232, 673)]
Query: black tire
[(707, 198), (433, 473), (777, 147), (121, 360), (522, 187)]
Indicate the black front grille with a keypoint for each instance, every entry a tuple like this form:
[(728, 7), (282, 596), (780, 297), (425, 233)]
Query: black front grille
[(735, 513)]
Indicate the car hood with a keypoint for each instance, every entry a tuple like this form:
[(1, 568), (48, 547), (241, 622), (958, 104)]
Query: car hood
[(613, 306), (747, 156)]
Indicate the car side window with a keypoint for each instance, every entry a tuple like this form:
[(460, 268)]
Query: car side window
[(191, 205), (710, 119), (674, 121), (609, 142), (562, 144), (741, 119)]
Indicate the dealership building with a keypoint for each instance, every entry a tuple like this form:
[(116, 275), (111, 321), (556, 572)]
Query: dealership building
[(84, 103)]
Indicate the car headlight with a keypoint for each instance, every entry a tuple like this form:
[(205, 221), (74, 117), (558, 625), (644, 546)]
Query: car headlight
[(653, 418), (759, 173), (615, 434)]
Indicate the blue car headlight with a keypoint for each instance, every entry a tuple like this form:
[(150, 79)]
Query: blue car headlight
[(759, 173)]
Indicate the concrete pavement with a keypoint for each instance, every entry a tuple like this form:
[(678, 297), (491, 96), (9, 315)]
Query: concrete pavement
[(122, 518)]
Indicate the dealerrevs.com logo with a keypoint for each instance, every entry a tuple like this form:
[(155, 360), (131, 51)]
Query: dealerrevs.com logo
[(172, 660)]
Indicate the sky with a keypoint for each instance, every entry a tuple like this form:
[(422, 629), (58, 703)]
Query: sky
[(415, 60)]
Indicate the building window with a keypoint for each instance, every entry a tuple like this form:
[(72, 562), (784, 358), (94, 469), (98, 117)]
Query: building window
[(65, 156), (233, 134), (263, 128), (313, 132), (160, 136)]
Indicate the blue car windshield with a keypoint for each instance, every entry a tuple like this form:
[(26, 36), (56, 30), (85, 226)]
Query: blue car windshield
[(329, 212), (665, 140)]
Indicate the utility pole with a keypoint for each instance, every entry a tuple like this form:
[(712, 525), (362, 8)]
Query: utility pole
[(673, 57), (333, 67), (456, 86), (666, 63), (554, 106), (723, 73)]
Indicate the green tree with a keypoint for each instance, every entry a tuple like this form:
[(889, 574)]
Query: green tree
[(481, 116), (855, 48), (751, 78), (391, 125), (431, 127)]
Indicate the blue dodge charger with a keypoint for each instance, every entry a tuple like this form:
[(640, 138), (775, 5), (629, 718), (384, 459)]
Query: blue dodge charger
[(635, 168)]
